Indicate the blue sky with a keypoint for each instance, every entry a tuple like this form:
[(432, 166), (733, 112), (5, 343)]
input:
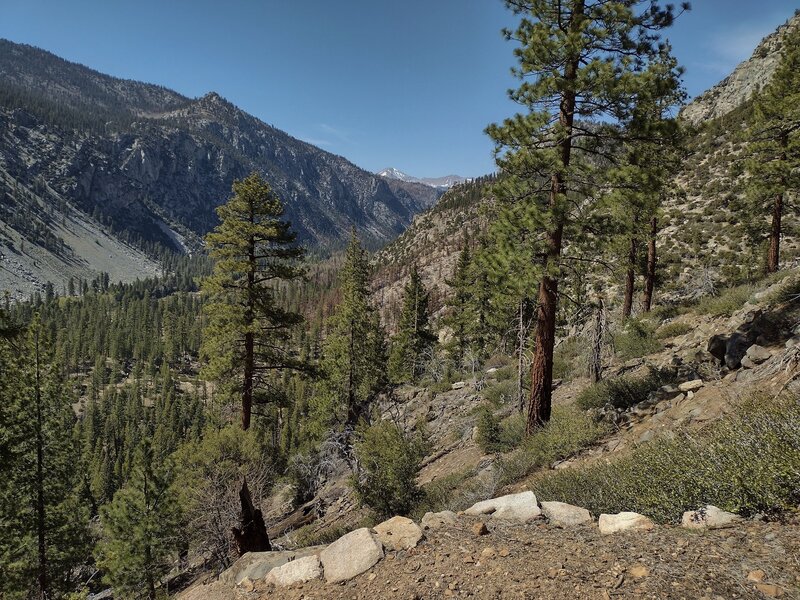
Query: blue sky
[(407, 84)]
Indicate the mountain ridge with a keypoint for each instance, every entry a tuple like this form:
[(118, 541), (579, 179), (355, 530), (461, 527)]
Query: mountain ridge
[(444, 182)]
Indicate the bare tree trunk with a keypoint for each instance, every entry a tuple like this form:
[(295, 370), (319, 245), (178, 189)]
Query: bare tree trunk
[(249, 341), (630, 281), (773, 258), (650, 273), (40, 508), (542, 365), (522, 338), (252, 536), (596, 362)]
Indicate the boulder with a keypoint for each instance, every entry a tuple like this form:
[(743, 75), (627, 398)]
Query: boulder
[(624, 521), (748, 364), (296, 571), (350, 555), (736, 349), (562, 514), (709, 517), (435, 520), (458, 385), (254, 566), (716, 346), (793, 341), (691, 386), (399, 533), (758, 354), (520, 507)]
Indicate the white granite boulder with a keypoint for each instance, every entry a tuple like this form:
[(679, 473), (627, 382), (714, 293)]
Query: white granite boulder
[(520, 507), (350, 555), (296, 571), (562, 514), (398, 533), (709, 517), (434, 520), (624, 521)]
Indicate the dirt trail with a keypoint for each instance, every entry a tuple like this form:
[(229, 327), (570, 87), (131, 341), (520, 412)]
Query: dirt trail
[(541, 561)]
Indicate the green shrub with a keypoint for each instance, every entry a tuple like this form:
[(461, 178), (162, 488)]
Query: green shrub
[(567, 433), (636, 339), (671, 330), (622, 392), (496, 436), (727, 302), (566, 359), (501, 392), (389, 461), (443, 493), (748, 462)]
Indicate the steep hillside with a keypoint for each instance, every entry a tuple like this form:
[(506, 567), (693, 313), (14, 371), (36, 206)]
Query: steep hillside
[(747, 79), (149, 165)]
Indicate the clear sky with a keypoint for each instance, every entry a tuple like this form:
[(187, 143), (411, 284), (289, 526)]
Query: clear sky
[(408, 84)]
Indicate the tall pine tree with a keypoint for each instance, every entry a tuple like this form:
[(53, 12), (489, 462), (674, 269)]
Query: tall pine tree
[(578, 62), (245, 344)]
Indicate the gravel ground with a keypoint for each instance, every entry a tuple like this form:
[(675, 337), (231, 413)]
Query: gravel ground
[(540, 561)]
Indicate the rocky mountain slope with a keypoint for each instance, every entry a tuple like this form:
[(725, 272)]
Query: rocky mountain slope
[(747, 79), (148, 165), (443, 183)]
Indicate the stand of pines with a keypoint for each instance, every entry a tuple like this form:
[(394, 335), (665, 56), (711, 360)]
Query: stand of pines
[(579, 62), (774, 150)]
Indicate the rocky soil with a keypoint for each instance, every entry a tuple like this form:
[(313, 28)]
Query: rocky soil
[(751, 560)]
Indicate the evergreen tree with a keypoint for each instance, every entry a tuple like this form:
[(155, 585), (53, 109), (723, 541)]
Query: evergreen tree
[(353, 352), (578, 62), (414, 336), (773, 163), (646, 161), (245, 342), (44, 528), (141, 529), (462, 317)]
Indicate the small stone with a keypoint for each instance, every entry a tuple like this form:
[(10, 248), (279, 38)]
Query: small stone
[(480, 528), (504, 551), (458, 385), (757, 576), (691, 386), (489, 552), (436, 520), (770, 589), (399, 533), (758, 354), (639, 571)]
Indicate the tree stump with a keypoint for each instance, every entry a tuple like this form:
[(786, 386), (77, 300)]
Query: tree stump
[(252, 537)]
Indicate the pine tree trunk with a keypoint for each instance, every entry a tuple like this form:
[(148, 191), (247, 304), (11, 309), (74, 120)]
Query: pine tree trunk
[(521, 355), (40, 508), (650, 273), (249, 339), (542, 365), (773, 258), (627, 305), (596, 363)]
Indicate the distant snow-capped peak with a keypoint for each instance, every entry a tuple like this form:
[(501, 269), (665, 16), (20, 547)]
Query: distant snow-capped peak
[(445, 182)]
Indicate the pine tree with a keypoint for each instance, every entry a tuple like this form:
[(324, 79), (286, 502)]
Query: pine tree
[(646, 161), (353, 352), (414, 337), (244, 344), (774, 145), (44, 528), (578, 62), (141, 529), (462, 317)]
